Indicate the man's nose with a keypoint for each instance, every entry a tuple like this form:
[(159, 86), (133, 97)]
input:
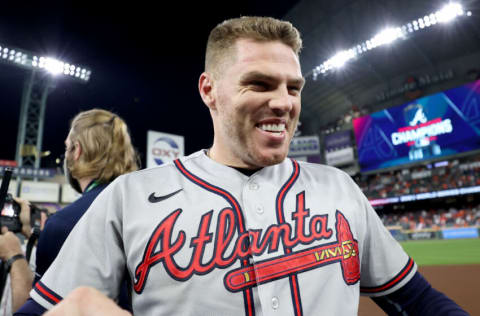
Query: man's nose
[(281, 100)]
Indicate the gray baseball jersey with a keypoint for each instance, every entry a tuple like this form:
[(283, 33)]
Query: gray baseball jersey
[(201, 238)]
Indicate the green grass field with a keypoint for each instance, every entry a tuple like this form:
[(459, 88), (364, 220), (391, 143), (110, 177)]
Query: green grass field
[(444, 252)]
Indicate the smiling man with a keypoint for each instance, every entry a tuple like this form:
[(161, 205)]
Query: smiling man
[(254, 102), (239, 229)]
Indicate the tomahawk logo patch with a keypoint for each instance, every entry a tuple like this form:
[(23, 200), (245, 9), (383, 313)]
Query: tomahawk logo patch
[(344, 250)]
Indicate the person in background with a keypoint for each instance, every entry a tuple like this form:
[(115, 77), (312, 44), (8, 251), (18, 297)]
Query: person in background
[(98, 149), (19, 272)]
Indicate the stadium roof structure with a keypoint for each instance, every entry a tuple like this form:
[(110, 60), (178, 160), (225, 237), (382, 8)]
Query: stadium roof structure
[(446, 52)]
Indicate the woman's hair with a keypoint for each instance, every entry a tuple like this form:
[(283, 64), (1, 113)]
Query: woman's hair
[(107, 150)]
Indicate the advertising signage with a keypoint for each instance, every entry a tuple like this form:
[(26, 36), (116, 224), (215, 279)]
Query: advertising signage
[(439, 125), (337, 140), (163, 148)]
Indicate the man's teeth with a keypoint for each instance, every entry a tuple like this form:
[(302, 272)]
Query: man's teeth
[(273, 127)]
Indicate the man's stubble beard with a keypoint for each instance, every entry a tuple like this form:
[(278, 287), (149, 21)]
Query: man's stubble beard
[(69, 177), (243, 146)]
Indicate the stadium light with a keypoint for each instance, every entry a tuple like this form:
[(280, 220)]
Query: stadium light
[(51, 65), (34, 97), (341, 58), (449, 12), (387, 36)]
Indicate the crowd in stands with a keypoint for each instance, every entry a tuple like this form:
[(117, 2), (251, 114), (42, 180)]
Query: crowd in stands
[(421, 179), (440, 176), (434, 218)]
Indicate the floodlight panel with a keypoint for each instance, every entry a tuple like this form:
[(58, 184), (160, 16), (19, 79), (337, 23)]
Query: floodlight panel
[(389, 35), (386, 36), (339, 59), (51, 65), (449, 12)]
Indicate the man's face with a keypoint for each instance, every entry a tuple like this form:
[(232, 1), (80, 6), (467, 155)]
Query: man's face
[(68, 148), (68, 163), (257, 104)]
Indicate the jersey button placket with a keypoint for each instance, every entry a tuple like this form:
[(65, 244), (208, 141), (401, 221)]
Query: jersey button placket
[(259, 209), (275, 303), (253, 186)]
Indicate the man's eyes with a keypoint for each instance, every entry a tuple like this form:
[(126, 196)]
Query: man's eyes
[(265, 86), (294, 88), (260, 84)]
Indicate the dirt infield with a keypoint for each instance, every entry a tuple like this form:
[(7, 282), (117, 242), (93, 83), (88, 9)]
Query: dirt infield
[(461, 283)]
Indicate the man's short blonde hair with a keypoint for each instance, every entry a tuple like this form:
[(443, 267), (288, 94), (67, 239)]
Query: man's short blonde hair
[(107, 150), (223, 37)]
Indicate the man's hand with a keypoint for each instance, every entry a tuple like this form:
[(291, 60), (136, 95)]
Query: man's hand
[(21, 276), (9, 245), (25, 213), (87, 301)]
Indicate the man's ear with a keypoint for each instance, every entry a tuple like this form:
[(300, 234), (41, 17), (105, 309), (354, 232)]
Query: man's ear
[(77, 150), (205, 86)]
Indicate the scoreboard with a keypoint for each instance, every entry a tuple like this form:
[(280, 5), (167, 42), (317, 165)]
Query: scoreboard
[(436, 126)]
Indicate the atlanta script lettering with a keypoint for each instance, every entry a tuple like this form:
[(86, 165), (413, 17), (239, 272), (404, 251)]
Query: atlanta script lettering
[(254, 242)]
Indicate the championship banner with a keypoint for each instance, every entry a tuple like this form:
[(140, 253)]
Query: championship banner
[(163, 148), (304, 146), (440, 125)]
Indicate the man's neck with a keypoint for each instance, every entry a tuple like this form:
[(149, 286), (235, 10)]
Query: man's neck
[(228, 160), (84, 182), (245, 171)]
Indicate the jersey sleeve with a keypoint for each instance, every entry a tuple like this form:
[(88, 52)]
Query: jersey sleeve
[(385, 266), (92, 255), (418, 297)]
